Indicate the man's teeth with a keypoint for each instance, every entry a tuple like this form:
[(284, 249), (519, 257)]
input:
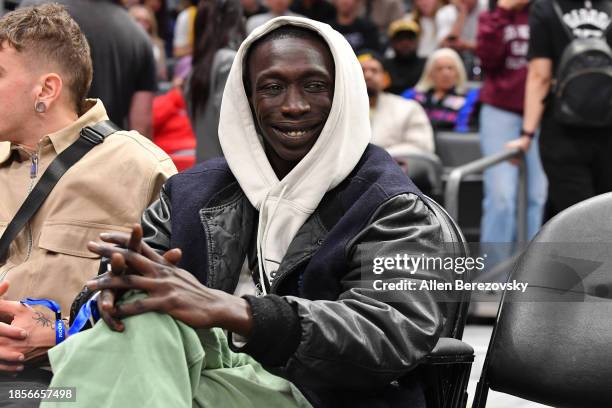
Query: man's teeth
[(296, 133)]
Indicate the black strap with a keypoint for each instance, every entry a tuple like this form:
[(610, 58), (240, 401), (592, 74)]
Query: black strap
[(90, 136), (559, 14)]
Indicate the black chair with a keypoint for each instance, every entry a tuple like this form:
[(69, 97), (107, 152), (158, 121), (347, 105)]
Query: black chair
[(551, 344), (425, 170), (456, 149), (446, 371)]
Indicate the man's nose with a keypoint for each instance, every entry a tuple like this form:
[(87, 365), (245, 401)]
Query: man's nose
[(295, 103)]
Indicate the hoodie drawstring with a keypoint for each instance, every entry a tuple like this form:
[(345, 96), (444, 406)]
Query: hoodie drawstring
[(261, 239)]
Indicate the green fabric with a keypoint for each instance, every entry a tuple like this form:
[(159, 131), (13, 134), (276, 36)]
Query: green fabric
[(161, 362)]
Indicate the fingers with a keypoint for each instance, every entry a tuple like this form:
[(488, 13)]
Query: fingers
[(139, 306), (124, 282), (173, 256), (118, 265), (133, 242), (10, 307), (106, 306), (12, 332), (135, 238), (10, 367), (118, 238), (138, 262), (11, 361), (122, 243), (4, 287), (11, 358)]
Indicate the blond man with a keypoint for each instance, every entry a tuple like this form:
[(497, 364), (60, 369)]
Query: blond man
[(45, 74)]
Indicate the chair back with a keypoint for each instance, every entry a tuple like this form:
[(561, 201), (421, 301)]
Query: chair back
[(456, 312), (551, 344), (425, 171), (455, 149)]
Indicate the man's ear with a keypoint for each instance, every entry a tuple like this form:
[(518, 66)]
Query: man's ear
[(50, 89)]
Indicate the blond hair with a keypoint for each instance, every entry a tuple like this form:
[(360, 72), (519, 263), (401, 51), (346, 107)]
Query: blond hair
[(425, 83), (49, 32), (150, 16)]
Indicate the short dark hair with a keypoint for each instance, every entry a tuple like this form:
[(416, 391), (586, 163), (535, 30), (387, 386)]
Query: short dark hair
[(49, 31), (286, 31)]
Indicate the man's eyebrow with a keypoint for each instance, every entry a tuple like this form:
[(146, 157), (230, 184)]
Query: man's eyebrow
[(275, 72)]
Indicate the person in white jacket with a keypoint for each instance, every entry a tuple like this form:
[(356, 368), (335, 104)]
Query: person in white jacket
[(399, 125)]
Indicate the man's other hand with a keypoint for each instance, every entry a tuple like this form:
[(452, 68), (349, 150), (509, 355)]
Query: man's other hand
[(25, 333), (170, 289)]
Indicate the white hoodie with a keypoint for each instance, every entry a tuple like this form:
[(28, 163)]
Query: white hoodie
[(285, 205)]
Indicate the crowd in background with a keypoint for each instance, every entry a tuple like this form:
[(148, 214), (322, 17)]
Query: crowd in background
[(429, 65)]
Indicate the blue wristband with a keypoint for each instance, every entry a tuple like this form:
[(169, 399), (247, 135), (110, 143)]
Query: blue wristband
[(89, 311), (60, 327)]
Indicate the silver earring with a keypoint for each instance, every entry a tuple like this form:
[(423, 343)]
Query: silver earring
[(40, 107)]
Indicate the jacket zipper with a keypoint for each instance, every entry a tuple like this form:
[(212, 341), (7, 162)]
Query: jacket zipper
[(280, 278), (34, 157)]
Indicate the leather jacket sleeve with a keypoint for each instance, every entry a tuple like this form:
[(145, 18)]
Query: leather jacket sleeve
[(366, 338), (156, 223)]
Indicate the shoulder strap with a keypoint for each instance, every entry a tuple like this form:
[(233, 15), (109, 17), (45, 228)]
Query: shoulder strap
[(90, 137), (606, 31), (559, 14)]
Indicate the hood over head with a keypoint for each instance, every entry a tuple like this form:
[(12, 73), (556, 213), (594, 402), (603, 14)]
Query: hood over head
[(284, 205)]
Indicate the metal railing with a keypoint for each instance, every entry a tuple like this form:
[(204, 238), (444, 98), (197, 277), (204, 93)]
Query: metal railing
[(453, 183)]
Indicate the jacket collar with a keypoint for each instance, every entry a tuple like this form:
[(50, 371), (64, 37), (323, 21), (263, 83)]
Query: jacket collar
[(65, 137), (68, 135)]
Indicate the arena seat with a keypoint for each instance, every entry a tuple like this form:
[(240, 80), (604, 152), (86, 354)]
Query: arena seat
[(551, 344), (455, 149), (425, 170), (446, 370)]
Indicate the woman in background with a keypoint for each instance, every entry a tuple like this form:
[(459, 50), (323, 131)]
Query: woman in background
[(162, 18), (145, 17), (442, 92), (219, 30), (503, 39), (424, 13)]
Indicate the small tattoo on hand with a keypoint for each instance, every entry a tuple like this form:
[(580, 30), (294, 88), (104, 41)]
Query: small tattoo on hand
[(42, 320)]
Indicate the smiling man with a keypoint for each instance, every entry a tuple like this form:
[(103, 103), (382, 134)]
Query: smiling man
[(277, 242)]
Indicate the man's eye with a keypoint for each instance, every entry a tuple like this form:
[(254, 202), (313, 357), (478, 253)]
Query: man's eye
[(316, 86), (272, 88)]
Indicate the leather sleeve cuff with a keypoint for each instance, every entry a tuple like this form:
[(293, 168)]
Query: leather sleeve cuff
[(276, 331)]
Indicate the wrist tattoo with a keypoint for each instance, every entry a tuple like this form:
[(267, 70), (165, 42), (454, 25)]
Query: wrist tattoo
[(42, 320)]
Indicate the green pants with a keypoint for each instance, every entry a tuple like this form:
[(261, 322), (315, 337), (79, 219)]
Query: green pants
[(161, 362)]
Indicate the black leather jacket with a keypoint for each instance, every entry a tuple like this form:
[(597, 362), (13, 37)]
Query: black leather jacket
[(323, 327), (355, 342)]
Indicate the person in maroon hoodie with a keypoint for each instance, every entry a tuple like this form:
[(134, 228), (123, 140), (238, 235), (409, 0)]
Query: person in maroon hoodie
[(503, 38)]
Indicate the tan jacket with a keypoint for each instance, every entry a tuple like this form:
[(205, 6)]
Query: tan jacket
[(107, 190), (400, 126)]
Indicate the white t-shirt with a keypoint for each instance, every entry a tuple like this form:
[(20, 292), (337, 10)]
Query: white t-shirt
[(181, 29), (447, 15), (428, 41)]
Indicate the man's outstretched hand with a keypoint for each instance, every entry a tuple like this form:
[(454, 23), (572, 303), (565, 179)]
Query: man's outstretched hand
[(171, 290), (25, 333)]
